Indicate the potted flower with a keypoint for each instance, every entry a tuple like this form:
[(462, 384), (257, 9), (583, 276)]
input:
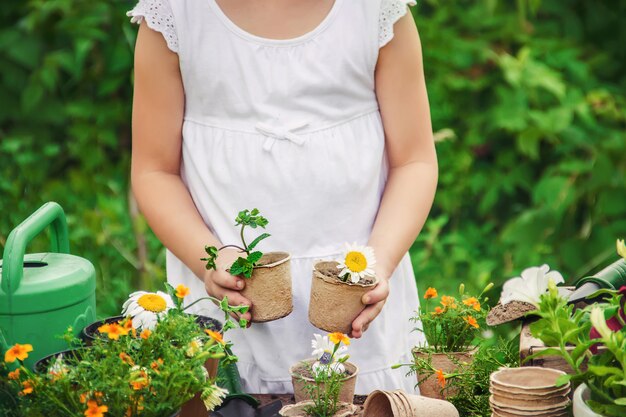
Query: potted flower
[(149, 364), (268, 276), (592, 341), (324, 385), (338, 287), (449, 329)]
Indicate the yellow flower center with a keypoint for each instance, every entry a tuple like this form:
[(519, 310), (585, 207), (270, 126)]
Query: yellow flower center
[(356, 261), (152, 302)]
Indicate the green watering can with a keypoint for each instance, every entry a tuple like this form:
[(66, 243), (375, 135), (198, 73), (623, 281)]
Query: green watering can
[(613, 277), (42, 294)]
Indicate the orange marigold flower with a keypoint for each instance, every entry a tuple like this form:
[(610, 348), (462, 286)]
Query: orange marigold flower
[(145, 333), (17, 352), (441, 378), (448, 301), (338, 337), (28, 387), (438, 311), (83, 398), (217, 336), (139, 380), (95, 410), (472, 302), (113, 330), (126, 359), (155, 365), (14, 374), (430, 293), (471, 321), (182, 291)]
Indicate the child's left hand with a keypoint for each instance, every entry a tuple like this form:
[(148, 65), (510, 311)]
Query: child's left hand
[(375, 300)]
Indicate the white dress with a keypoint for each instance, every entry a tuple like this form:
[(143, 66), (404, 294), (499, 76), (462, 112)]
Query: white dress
[(291, 127)]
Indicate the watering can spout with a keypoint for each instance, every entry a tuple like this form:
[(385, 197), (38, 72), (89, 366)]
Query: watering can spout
[(613, 277)]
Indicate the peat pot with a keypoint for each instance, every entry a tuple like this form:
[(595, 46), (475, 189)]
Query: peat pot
[(335, 304), (269, 288), (447, 362), (400, 404), (301, 376)]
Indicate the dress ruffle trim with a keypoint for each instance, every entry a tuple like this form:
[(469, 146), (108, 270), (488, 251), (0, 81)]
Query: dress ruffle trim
[(159, 17), (390, 12)]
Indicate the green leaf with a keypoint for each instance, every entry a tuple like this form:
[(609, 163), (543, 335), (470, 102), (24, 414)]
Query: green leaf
[(256, 241), (563, 379), (254, 257), (604, 370)]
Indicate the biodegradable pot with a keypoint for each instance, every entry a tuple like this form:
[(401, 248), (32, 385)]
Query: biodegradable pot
[(298, 410), (300, 380), (335, 304), (269, 288), (401, 404), (528, 380), (430, 387), (580, 407)]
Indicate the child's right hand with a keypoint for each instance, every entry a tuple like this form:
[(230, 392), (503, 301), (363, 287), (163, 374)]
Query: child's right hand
[(220, 283)]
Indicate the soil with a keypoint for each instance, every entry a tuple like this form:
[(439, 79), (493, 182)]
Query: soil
[(505, 313), (305, 371), (330, 270)]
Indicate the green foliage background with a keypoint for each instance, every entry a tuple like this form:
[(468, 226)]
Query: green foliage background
[(528, 103)]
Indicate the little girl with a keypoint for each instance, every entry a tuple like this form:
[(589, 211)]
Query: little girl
[(313, 111)]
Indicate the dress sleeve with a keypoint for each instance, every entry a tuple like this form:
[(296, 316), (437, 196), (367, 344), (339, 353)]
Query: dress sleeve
[(390, 12), (159, 17)]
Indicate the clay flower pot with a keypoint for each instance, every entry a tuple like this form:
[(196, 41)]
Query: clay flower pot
[(447, 362), (301, 377), (269, 288), (401, 404), (335, 304), (580, 407), (299, 410)]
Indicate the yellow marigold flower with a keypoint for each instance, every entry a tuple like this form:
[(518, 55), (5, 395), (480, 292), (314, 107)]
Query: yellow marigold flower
[(28, 387), (441, 378), (448, 301), (145, 333), (14, 374), (430, 293), (471, 321), (215, 336), (438, 311), (113, 330), (17, 352), (182, 291), (338, 337), (95, 410)]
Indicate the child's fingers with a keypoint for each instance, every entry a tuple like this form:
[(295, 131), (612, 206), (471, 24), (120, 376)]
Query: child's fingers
[(236, 299), (378, 294), (362, 322), (226, 280)]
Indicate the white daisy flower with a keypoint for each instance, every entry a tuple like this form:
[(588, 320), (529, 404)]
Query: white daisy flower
[(146, 308), (323, 352), (212, 396), (530, 286), (329, 369), (357, 262), (194, 347)]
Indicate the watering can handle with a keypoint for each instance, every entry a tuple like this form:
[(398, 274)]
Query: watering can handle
[(13, 259)]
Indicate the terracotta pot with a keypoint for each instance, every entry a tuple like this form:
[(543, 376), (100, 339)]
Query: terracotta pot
[(298, 410), (401, 404), (299, 381), (269, 288), (335, 304), (580, 407), (447, 362)]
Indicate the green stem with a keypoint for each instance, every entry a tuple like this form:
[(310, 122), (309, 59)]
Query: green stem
[(201, 299), (243, 239)]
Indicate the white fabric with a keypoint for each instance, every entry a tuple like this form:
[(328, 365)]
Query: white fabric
[(390, 12), (292, 128), (158, 16)]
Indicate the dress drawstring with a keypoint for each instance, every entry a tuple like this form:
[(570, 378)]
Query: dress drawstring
[(275, 133)]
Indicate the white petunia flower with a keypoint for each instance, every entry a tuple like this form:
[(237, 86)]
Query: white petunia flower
[(146, 308), (212, 396), (357, 262), (530, 286)]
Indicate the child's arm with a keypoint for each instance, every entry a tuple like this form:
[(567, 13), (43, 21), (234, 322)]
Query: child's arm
[(410, 189), (158, 107)]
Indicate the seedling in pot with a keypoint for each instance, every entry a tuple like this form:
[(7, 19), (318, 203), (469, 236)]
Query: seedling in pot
[(243, 266)]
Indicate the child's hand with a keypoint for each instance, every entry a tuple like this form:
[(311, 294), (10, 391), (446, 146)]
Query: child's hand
[(375, 300), (220, 283)]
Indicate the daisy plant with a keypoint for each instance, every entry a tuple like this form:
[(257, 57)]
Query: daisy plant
[(148, 364), (453, 322), (243, 265), (356, 263), (328, 372)]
